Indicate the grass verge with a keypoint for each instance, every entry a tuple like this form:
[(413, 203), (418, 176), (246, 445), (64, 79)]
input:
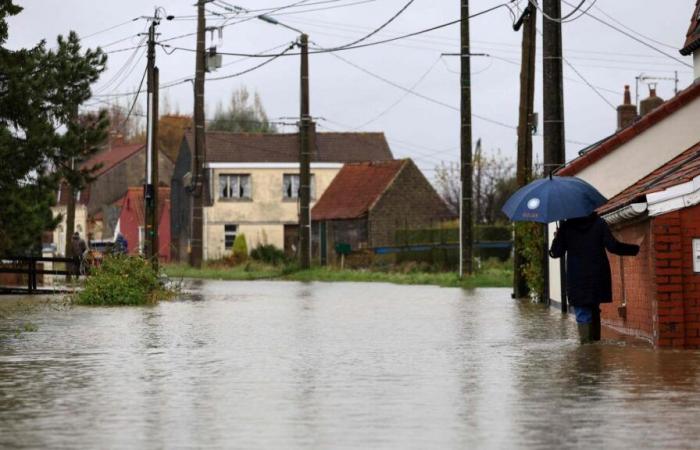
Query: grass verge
[(499, 276)]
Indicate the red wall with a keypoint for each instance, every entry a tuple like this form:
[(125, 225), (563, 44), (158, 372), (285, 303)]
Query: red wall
[(132, 217), (639, 285), (663, 292)]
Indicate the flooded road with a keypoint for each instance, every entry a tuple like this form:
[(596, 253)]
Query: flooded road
[(348, 365)]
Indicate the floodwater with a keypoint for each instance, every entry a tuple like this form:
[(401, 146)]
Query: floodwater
[(280, 365)]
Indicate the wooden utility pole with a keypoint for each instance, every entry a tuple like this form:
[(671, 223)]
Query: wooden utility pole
[(526, 125), (553, 111), (150, 193), (465, 210), (198, 172), (305, 127)]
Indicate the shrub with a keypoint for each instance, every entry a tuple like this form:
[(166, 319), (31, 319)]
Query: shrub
[(269, 254), (240, 248), (530, 239), (121, 280)]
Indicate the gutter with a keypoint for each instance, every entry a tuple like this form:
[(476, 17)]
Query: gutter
[(674, 198), (626, 213)]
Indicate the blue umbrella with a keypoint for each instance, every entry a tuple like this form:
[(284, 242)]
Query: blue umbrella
[(555, 198)]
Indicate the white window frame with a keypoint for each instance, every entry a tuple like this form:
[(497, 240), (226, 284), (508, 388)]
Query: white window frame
[(240, 191), (294, 194)]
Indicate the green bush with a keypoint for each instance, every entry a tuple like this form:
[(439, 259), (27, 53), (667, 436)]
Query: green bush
[(529, 238), (269, 254), (121, 280), (240, 248)]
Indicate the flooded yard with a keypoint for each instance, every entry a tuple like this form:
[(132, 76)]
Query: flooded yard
[(346, 365)]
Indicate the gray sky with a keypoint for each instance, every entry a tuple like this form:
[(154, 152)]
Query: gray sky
[(347, 98)]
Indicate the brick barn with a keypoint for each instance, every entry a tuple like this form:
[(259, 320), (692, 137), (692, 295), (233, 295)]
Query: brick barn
[(368, 202), (131, 221)]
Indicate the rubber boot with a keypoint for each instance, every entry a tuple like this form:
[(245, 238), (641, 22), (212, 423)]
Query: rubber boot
[(595, 325), (584, 332)]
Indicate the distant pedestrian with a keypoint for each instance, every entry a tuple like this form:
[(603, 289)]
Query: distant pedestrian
[(588, 281), (121, 245), (79, 251)]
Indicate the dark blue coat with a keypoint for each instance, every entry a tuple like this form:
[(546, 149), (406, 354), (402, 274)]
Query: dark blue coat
[(584, 241)]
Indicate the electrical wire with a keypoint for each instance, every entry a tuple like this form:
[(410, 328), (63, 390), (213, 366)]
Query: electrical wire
[(634, 31), (369, 44), (400, 99), (109, 29), (135, 98), (631, 36), (268, 61), (376, 30)]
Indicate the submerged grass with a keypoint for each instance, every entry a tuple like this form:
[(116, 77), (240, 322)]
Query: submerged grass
[(491, 276)]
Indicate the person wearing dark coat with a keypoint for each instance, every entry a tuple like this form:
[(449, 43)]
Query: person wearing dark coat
[(588, 283)]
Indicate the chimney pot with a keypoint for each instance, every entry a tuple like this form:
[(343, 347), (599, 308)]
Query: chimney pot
[(627, 112)]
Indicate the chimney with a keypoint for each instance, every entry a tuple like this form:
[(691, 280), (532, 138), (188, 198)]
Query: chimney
[(626, 112), (651, 102), (116, 139)]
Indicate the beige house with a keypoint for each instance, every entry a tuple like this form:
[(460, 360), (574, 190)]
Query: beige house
[(253, 182)]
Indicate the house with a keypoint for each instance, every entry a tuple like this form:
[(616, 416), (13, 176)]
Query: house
[(368, 202), (131, 221), (656, 294), (647, 169), (118, 167), (252, 185)]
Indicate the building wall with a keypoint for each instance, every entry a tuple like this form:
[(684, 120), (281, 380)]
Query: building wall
[(113, 184), (678, 285), (262, 218), (639, 284), (409, 202), (59, 233), (634, 160)]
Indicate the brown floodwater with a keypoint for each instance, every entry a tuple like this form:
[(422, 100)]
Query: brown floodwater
[(286, 365)]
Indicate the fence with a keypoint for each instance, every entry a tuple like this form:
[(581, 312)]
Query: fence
[(29, 266)]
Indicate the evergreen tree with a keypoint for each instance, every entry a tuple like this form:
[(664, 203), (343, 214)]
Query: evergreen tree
[(40, 131)]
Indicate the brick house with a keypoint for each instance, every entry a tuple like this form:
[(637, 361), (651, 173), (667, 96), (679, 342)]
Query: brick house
[(656, 295), (252, 185), (368, 202), (119, 167), (649, 169)]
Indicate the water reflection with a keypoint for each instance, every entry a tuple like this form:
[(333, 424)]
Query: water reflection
[(300, 365)]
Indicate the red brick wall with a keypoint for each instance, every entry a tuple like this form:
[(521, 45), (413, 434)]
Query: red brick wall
[(639, 284), (690, 229), (678, 287)]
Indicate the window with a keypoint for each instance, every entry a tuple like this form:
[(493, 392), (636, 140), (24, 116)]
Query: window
[(230, 231), (142, 239), (234, 186), (290, 186)]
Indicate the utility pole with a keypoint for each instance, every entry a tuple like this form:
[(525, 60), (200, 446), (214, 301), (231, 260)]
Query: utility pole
[(150, 193), (553, 96), (70, 219), (198, 173), (526, 125), (305, 128), (465, 210)]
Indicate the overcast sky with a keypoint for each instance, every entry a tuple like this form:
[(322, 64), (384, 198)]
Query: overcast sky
[(344, 98)]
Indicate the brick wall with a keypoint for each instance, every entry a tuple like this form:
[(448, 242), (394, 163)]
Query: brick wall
[(639, 284), (409, 202), (689, 230)]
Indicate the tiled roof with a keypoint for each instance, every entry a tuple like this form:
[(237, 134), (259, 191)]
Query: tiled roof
[(355, 189), (107, 159), (284, 147), (111, 157), (692, 39), (627, 134), (679, 170)]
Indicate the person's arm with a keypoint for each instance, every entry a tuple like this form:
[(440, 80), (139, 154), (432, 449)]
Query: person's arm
[(614, 246), (559, 243)]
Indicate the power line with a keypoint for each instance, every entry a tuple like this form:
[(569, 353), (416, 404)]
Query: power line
[(634, 31), (376, 30), (646, 44), (369, 44), (110, 28), (225, 77), (136, 97)]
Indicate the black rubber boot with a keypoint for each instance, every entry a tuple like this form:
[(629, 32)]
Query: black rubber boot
[(584, 333), (595, 324)]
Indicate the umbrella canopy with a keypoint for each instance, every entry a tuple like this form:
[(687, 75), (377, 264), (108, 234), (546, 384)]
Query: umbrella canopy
[(555, 198)]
